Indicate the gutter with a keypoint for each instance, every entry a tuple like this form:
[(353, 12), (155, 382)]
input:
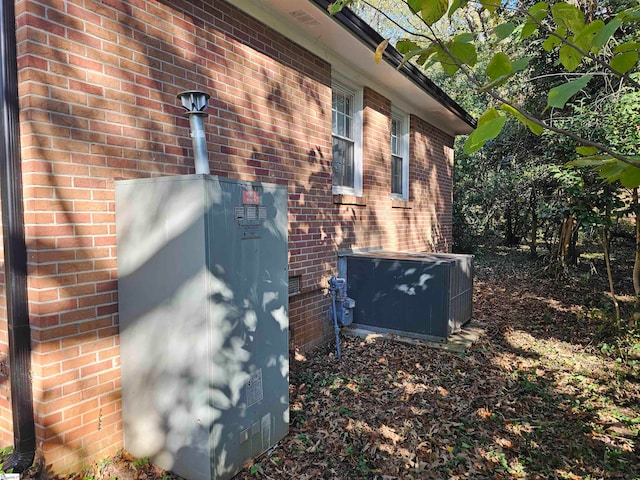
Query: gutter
[(15, 250), (367, 35)]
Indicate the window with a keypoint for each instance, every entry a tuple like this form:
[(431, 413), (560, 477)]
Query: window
[(400, 156), (346, 110)]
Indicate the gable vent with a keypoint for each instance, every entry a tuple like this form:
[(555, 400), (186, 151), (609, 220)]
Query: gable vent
[(305, 18)]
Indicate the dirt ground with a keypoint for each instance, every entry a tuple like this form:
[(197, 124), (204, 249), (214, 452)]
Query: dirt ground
[(547, 392)]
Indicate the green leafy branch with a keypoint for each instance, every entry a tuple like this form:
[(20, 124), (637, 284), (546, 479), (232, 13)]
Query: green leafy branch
[(566, 30)]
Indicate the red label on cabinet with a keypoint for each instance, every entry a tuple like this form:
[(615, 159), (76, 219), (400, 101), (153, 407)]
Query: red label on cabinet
[(250, 197)]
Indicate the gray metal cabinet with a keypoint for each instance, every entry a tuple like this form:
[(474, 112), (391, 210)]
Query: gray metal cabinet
[(424, 295), (202, 267)]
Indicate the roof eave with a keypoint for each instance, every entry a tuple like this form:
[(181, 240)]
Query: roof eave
[(366, 34)]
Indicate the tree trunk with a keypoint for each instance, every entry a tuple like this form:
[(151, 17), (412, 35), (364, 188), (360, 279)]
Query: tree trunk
[(566, 240), (533, 206), (573, 246), (606, 242), (509, 235), (633, 320)]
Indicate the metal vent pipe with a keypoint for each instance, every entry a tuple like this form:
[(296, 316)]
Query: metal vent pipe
[(194, 103), (15, 250)]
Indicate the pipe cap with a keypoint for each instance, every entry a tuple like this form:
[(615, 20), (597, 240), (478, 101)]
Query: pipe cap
[(194, 101)]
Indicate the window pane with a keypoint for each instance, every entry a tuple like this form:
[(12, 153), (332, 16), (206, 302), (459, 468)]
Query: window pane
[(395, 142), (396, 174), (338, 102), (342, 114), (342, 162)]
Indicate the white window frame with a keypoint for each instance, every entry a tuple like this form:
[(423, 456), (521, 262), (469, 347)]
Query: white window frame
[(403, 147), (357, 121)]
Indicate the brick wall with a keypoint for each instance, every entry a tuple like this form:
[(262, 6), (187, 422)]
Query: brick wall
[(432, 184), (423, 223), (98, 85)]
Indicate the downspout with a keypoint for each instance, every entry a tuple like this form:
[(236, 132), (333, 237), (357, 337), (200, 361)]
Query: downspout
[(15, 250)]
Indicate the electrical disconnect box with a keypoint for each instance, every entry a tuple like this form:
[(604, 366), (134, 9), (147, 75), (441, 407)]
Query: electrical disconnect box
[(203, 306)]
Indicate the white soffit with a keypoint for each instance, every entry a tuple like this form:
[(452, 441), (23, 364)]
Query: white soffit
[(306, 24)]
